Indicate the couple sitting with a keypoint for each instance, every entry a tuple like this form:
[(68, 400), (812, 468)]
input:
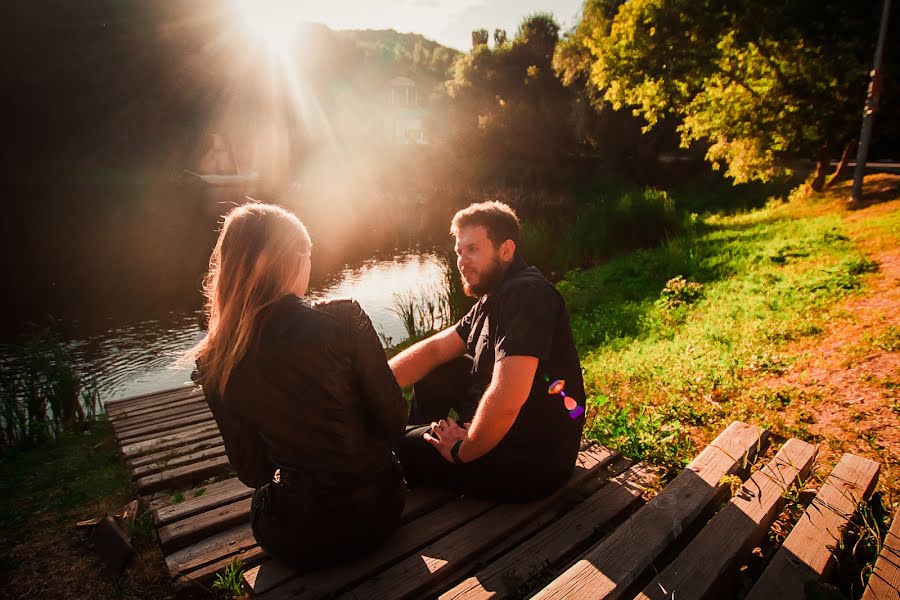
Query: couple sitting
[(312, 413)]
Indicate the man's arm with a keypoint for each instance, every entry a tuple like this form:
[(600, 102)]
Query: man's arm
[(418, 360), (510, 385)]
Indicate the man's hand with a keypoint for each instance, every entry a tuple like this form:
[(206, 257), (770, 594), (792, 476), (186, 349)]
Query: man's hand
[(445, 434)]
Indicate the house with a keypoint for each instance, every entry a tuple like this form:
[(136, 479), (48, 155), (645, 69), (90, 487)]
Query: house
[(405, 113)]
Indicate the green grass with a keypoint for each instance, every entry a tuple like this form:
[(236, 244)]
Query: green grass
[(670, 336), (53, 482)]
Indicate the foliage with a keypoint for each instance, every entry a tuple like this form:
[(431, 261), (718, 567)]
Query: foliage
[(230, 582), (679, 292), (601, 226), (43, 393), (758, 83), (506, 110), (423, 311)]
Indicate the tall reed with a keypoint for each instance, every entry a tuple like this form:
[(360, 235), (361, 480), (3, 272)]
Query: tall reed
[(42, 392)]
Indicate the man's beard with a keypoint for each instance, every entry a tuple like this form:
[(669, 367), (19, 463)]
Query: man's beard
[(487, 282)]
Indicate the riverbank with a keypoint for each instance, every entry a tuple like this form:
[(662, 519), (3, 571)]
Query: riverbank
[(787, 317)]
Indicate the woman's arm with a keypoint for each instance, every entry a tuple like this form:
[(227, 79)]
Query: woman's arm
[(244, 447), (380, 389)]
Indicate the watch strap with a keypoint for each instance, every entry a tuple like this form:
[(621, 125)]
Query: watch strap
[(454, 452)]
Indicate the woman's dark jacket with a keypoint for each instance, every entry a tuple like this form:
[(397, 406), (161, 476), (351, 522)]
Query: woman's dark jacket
[(315, 398)]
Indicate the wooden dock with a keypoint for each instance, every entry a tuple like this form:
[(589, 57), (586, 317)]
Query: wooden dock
[(596, 538)]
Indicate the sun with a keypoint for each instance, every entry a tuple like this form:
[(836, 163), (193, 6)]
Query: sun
[(273, 22)]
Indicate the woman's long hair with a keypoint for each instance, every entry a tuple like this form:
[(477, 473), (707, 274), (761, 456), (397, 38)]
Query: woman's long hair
[(255, 263)]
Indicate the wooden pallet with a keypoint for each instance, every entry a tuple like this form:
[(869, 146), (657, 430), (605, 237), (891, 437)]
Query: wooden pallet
[(596, 538)]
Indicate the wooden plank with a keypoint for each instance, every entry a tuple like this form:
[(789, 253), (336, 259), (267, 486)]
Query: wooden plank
[(169, 440), (174, 401), (167, 433), (608, 568), (513, 575), (118, 402), (178, 461), (735, 530), (424, 573), (210, 549), (806, 554), (135, 435), (406, 540), (166, 455), (884, 582), (184, 408), (186, 531), (199, 562), (143, 412), (214, 495), (116, 409), (180, 476)]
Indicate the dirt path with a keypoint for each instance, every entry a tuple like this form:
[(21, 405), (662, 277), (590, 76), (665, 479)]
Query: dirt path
[(849, 376)]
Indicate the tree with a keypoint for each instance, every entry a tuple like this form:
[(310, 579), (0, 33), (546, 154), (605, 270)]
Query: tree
[(479, 38), (507, 110), (761, 83), (499, 37)]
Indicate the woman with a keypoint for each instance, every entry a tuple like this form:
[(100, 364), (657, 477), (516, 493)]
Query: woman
[(302, 393)]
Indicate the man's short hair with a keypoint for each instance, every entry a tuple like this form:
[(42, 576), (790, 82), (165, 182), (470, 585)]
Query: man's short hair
[(497, 218)]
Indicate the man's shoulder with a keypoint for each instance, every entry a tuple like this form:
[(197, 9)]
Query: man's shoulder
[(529, 282)]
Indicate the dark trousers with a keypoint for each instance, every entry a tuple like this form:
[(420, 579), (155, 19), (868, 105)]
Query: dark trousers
[(499, 474)]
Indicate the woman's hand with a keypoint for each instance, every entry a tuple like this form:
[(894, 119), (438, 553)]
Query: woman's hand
[(444, 434)]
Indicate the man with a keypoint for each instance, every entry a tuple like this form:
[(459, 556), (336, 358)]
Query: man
[(509, 368)]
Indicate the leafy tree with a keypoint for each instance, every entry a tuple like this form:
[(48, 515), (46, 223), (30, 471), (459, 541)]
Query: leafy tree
[(499, 37), (479, 38), (507, 110), (761, 83)]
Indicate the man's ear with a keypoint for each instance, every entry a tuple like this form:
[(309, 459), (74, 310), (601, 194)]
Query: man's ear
[(507, 251)]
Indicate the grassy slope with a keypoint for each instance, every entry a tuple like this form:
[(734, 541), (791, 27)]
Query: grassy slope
[(661, 382)]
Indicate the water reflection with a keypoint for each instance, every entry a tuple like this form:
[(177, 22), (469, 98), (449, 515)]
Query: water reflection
[(129, 358)]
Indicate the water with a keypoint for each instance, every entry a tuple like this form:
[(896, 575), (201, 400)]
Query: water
[(138, 357)]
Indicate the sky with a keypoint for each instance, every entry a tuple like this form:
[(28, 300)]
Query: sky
[(449, 22)]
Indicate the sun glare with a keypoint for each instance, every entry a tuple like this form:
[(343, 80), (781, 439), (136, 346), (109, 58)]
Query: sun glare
[(274, 22)]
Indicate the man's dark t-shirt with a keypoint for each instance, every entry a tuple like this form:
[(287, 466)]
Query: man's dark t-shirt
[(526, 316)]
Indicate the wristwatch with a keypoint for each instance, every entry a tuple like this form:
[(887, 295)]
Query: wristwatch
[(454, 452)]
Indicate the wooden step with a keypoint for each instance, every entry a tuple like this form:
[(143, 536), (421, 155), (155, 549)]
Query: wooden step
[(170, 440), (884, 582), (514, 574), (182, 476), (164, 465), (806, 554), (735, 530), (118, 408), (167, 455), (610, 567), (212, 496), (141, 433), (183, 408)]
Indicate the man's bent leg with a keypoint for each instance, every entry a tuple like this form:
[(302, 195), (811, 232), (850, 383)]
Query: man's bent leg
[(444, 388)]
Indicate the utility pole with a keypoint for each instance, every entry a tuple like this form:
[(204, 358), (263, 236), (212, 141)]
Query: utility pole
[(871, 106)]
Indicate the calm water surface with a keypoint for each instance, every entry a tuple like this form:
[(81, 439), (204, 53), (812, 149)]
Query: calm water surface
[(138, 357)]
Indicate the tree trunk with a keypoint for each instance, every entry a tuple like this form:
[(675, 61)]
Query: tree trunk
[(818, 180), (842, 165)]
